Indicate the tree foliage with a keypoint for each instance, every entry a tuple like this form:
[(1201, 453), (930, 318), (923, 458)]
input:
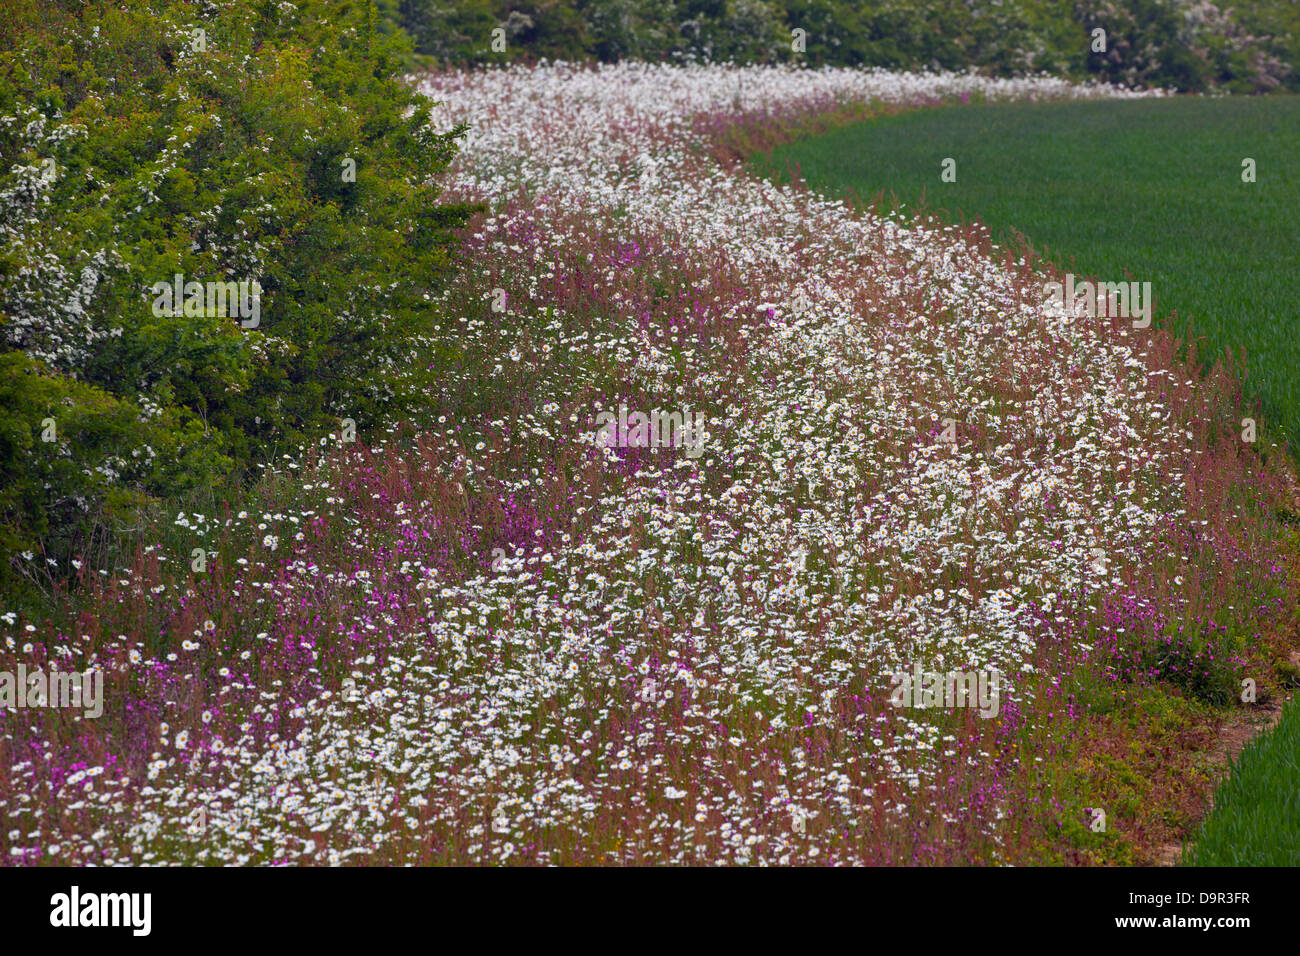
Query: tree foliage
[(1187, 44), (243, 140)]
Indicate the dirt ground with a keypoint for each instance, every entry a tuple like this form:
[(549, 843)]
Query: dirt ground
[(1235, 733)]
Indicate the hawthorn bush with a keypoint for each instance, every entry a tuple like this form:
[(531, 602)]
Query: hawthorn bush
[(235, 140)]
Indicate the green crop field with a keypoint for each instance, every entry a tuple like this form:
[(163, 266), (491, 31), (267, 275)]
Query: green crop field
[(1256, 808), (1151, 189)]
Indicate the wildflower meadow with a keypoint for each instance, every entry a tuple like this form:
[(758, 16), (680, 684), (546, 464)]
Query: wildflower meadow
[(492, 638), (674, 516)]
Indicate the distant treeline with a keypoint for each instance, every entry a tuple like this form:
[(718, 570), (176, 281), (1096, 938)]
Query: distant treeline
[(1191, 45)]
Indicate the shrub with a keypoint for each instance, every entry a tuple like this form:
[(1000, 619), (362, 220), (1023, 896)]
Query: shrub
[(236, 141)]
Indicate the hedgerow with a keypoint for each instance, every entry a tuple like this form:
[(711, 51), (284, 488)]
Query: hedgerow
[(1190, 45), (237, 141)]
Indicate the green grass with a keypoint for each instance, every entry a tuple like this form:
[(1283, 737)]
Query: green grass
[(1254, 821), (1148, 188)]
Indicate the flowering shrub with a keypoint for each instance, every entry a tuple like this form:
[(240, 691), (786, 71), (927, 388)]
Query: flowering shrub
[(1187, 44), (224, 142)]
